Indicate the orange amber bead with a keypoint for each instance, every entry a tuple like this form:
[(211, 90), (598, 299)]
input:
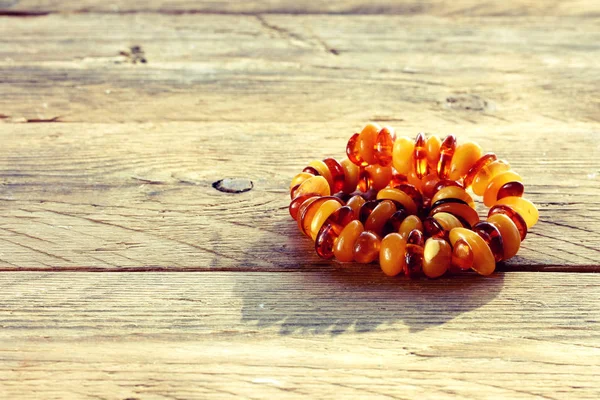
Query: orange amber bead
[(515, 217), (402, 155), (491, 192), (409, 224), (447, 149), (331, 229), (391, 254), (447, 221), (367, 142), (299, 178), (323, 170), (297, 202), (351, 172), (511, 238), (486, 174), (308, 210), (492, 237), (524, 207), (413, 192), (337, 174), (366, 247), (511, 189), (324, 211), (356, 203), (413, 257), (462, 255), (485, 160), (420, 156), (343, 249), (462, 211), (378, 176), (385, 146), (429, 185), (380, 215), (437, 257), (465, 156), (453, 192), (353, 151), (483, 259), (366, 209), (316, 185), (397, 179), (433, 228), (433, 152), (393, 223), (399, 196)]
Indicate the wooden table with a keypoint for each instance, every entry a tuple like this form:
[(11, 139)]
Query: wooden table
[(126, 275)]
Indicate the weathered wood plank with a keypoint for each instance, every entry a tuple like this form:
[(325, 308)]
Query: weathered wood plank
[(410, 7), (298, 68), (140, 196), (333, 334)]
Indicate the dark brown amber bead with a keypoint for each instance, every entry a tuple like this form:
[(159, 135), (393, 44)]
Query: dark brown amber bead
[(511, 189), (297, 202), (397, 179), (448, 200), (445, 183), (446, 152), (492, 237), (311, 170), (393, 223), (342, 196), (353, 151), (370, 194), (385, 146), (416, 237), (366, 209), (513, 215), (380, 215), (433, 228), (414, 260), (420, 155), (366, 247), (486, 159), (461, 211), (331, 229), (337, 174)]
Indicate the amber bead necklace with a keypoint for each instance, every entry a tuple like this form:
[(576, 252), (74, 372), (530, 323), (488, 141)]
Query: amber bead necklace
[(405, 203)]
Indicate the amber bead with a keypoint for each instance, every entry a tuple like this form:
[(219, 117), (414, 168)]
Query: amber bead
[(492, 237), (413, 257), (297, 202), (367, 141), (356, 203), (311, 170), (380, 215), (453, 192), (351, 172), (459, 210), (483, 161), (433, 228), (429, 185), (299, 178), (366, 247), (366, 209), (414, 180), (524, 207), (293, 191), (409, 224), (392, 254), (385, 146), (511, 238), (343, 248), (447, 221), (352, 151), (399, 196), (316, 185), (447, 149), (413, 192), (337, 174), (331, 229), (420, 156), (364, 180), (486, 174), (433, 152), (378, 176), (416, 237), (515, 217), (462, 255), (491, 192), (437, 257), (308, 210), (324, 211), (323, 170), (402, 155), (483, 258), (397, 179), (511, 189), (465, 156), (393, 223), (370, 194)]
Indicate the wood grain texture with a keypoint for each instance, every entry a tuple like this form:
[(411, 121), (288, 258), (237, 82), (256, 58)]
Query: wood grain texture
[(331, 334)]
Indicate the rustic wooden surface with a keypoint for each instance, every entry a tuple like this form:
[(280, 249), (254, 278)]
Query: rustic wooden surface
[(116, 119)]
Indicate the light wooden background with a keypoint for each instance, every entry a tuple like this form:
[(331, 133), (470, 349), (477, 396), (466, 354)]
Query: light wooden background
[(126, 275)]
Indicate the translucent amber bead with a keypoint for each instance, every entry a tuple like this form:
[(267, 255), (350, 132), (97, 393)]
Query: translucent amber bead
[(323, 170), (324, 211), (414, 180), (483, 259), (393, 223), (485, 160), (420, 156), (353, 151), (515, 217), (433, 152), (413, 192), (402, 155), (311, 170), (511, 189), (337, 174), (366, 209), (356, 203), (399, 196), (416, 237), (379, 176), (462, 255), (364, 180), (331, 229), (447, 221), (524, 207), (447, 149), (465, 156), (343, 249), (316, 185), (397, 179), (409, 224), (385, 146), (308, 210), (366, 247), (486, 174), (367, 142), (293, 191), (413, 257), (429, 185), (492, 237), (351, 172), (380, 215), (511, 238), (297, 202), (299, 178), (462, 211), (433, 228), (453, 192), (437, 257), (491, 192), (391, 254)]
